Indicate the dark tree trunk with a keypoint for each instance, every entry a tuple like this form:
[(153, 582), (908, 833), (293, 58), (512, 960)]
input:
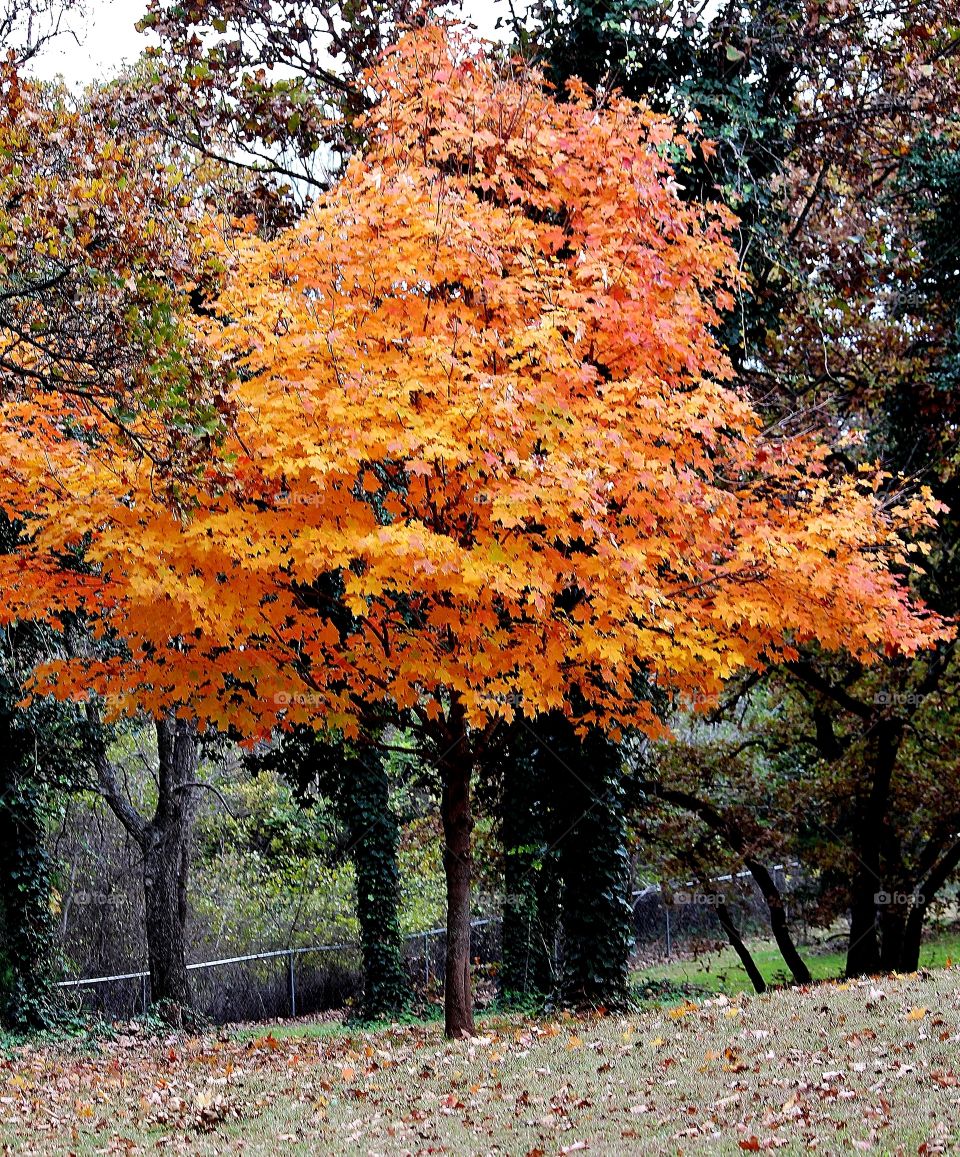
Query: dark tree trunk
[(374, 838), (164, 912), (863, 951), (166, 861), (596, 917), (892, 929), (456, 770), (164, 842), (736, 839), (27, 994), (936, 875), (736, 942), (912, 939), (531, 904), (778, 920)]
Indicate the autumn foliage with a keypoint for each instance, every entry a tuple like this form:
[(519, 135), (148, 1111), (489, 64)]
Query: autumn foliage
[(485, 443)]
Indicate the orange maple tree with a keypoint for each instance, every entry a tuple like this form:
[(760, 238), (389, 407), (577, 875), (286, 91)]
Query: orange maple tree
[(486, 457)]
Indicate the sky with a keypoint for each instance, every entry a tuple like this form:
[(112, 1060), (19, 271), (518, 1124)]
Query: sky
[(106, 38)]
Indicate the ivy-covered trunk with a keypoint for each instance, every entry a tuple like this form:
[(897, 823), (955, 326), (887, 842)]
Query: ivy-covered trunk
[(356, 780), (567, 869), (27, 993), (456, 768), (597, 918), (532, 886), (374, 839)]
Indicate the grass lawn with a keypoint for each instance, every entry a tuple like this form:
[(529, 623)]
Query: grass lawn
[(869, 1066), (722, 972)]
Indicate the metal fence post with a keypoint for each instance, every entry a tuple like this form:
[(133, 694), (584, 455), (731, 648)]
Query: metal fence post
[(146, 1000), (292, 984), (666, 911)]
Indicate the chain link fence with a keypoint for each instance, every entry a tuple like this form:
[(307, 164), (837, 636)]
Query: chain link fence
[(680, 918), (286, 982), (672, 920)]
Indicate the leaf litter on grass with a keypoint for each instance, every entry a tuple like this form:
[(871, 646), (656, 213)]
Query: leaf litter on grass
[(862, 1066)]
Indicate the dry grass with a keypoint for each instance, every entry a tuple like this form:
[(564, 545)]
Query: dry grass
[(872, 1066)]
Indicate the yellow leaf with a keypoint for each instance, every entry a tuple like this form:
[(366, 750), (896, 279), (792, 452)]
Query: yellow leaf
[(916, 1014)]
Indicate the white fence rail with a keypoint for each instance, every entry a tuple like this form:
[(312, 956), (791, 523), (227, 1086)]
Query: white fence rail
[(290, 954)]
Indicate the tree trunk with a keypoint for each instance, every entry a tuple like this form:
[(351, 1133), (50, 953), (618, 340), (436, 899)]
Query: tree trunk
[(892, 929), (27, 995), (166, 862), (926, 889), (597, 917), (736, 942), (737, 840), (164, 842), (164, 909), (863, 952), (778, 921), (531, 903), (912, 938), (374, 838), (456, 768), (28, 999)]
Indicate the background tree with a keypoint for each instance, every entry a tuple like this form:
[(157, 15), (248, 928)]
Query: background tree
[(28, 26), (43, 750), (823, 124), (276, 90), (96, 267), (164, 841)]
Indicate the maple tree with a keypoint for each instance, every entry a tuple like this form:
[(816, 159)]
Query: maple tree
[(485, 457)]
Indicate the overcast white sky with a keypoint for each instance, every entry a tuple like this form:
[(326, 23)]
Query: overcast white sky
[(109, 39)]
